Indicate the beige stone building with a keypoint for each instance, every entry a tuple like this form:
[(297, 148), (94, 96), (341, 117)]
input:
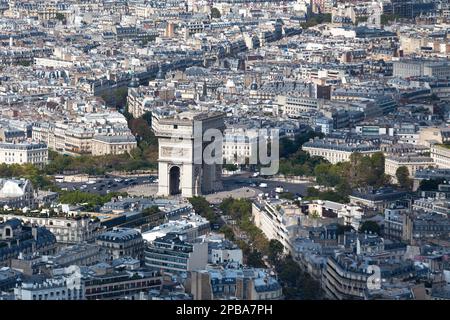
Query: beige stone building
[(413, 163), (78, 140), (120, 144), (21, 153), (182, 168), (441, 155), (337, 150), (430, 135)]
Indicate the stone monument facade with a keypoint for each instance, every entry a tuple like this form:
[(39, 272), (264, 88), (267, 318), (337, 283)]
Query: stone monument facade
[(181, 166)]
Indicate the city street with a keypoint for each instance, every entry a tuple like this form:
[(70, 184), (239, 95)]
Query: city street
[(112, 183), (245, 180)]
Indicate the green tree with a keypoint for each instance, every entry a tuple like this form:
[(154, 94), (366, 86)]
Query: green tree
[(287, 195), (275, 251), (403, 178), (254, 259), (341, 229), (215, 13), (230, 167), (370, 226), (92, 201), (315, 215), (24, 63), (149, 211), (387, 18), (228, 232), (316, 19), (203, 208), (429, 185), (59, 16), (297, 284)]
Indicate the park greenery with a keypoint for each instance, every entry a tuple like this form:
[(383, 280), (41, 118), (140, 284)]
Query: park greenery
[(360, 172), (27, 171), (203, 208), (402, 175), (150, 211), (315, 19), (61, 17), (297, 283), (116, 98), (215, 13), (240, 210), (24, 63), (388, 18), (293, 160), (91, 201), (371, 227), (432, 184), (230, 167), (144, 157), (97, 165)]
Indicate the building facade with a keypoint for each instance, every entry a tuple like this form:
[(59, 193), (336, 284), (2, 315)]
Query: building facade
[(66, 230), (440, 154), (182, 150), (337, 151), (119, 144), (170, 254), (21, 153), (121, 242), (412, 163)]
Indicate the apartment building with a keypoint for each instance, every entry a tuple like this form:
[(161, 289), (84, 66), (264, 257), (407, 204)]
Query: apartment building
[(18, 238), (171, 254), (16, 194), (337, 150), (66, 287), (342, 280), (119, 144), (66, 230), (411, 162), (236, 283), (121, 242), (276, 218), (239, 145), (24, 152), (440, 153), (393, 222), (416, 68), (114, 285)]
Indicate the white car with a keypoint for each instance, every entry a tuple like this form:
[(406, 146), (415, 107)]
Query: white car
[(279, 189), (263, 185)]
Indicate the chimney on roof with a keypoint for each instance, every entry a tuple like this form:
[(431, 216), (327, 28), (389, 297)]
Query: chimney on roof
[(34, 232)]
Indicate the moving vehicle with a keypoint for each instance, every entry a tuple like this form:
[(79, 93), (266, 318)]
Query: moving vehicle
[(279, 189)]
